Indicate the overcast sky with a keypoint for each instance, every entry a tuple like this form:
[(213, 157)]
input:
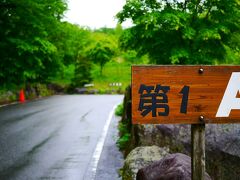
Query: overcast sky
[(94, 13)]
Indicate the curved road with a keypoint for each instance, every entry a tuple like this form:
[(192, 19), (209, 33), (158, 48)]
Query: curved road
[(53, 138)]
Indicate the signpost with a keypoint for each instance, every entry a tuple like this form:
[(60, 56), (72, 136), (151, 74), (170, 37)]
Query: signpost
[(187, 95)]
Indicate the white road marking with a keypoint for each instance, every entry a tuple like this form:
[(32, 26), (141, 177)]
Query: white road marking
[(9, 104), (99, 147)]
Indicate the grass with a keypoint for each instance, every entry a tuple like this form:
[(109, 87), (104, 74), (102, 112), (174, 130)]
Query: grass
[(113, 72)]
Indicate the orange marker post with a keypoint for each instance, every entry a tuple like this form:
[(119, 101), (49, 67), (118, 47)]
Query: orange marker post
[(21, 96)]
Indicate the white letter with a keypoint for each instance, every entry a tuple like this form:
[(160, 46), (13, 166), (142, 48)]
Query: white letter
[(229, 100)]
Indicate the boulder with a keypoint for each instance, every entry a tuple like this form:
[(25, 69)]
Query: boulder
[(222, 142), (93, 91), (222, 145), (81, 90), (172, 167), (56, 88), (140, 157)]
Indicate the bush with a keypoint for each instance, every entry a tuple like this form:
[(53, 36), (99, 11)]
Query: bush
[(82, 72), (125, 136), (7, 96), (123, 141), (119, 110), (42, 90)]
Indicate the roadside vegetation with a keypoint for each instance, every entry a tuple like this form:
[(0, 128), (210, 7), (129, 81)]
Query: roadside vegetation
[(43, 54), (123, 128), (124, 136), (38, 47), (119, 110), (202, 32)]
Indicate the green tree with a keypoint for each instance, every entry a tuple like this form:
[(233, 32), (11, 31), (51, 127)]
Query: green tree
[(182, 32), (71, 42), (82, 72), (101, 50), (26, 50), (131, 56)]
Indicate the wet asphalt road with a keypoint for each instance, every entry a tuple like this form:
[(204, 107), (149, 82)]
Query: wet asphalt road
[(52, 138)]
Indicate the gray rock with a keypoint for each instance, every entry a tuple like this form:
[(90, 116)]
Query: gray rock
[(140, 157), (56, 88), (222, 142), (93, 91), (172, 167), (222, 145), (81, 90)]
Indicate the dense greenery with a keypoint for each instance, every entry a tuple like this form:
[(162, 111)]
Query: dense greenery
[(113, 72), (27, 49), (82, 73), (183, 32), (125, 136), (37, 46), (119, 110), (102, 49)]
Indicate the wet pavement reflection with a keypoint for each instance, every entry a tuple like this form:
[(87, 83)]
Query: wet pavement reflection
[(52, 138)]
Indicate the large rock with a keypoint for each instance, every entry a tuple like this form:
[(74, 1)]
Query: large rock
[(140, 157), (59, 89), (81, 90), (172, 167), (222, 145)]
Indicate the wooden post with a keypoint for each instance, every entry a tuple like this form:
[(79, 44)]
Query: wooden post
[(198, 151)]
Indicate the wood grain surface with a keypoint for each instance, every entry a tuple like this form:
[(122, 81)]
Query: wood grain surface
[(206, 91)]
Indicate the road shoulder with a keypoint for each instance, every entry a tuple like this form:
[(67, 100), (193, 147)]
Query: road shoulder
[(111, 159)]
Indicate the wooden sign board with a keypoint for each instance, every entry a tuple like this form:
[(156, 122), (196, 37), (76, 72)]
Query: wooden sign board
[(185, 94)]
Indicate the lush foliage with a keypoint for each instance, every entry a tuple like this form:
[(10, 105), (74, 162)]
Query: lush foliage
[(71, 42), (36, 46), (113, 72), (119, 110), (125, 136), (183, 32), (101, 50), (82, 72), (26, 49), (123, 141)]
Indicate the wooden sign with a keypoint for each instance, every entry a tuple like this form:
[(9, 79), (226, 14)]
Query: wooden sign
[(185, 94)]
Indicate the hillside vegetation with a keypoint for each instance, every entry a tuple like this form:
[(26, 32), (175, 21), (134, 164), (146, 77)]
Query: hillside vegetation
[(38, 47)]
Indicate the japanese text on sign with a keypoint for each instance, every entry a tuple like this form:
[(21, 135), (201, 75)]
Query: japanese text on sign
[(185, 94), (154, 99)]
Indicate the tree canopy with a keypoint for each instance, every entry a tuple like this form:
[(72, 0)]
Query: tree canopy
[(102, 49), (27, 49), (71, 41), (182, 32)]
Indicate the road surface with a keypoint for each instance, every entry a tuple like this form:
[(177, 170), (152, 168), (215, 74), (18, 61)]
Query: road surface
[(54, 138)]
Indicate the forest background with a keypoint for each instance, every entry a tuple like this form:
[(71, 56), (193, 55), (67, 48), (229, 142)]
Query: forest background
[(39, 50)]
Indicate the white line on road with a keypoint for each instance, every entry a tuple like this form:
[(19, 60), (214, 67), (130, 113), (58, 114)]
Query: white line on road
[(99, 147), (9, 104)]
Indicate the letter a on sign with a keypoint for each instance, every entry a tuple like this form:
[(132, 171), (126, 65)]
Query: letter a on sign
[(230, 100)]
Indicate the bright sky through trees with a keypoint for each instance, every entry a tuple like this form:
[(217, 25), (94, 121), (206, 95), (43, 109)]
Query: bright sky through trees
[(94, 13)]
